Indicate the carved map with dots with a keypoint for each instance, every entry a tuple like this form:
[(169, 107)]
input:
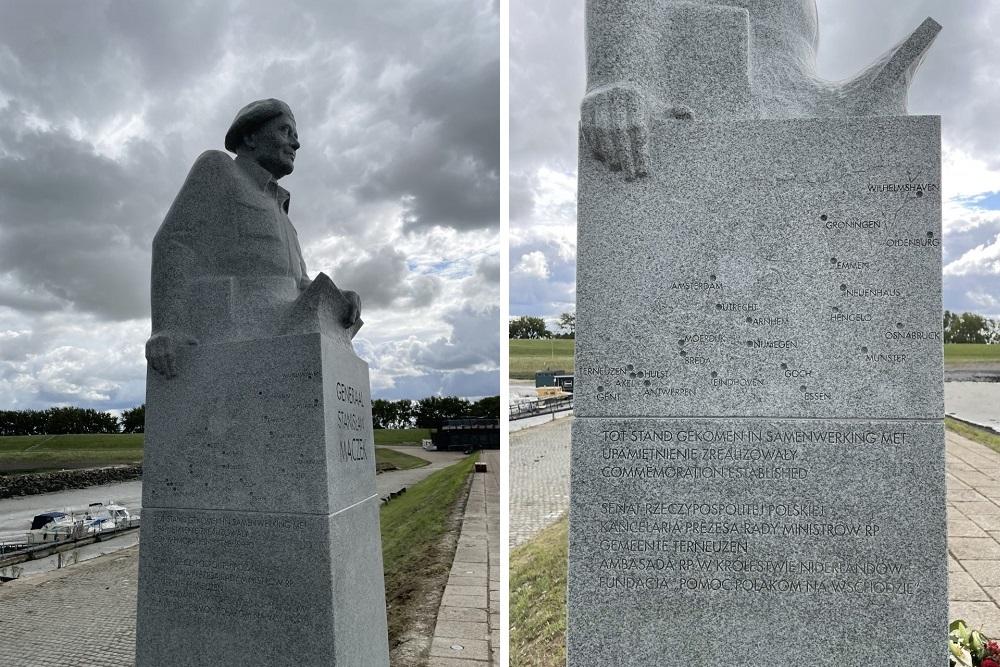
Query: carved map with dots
[(783, 279)]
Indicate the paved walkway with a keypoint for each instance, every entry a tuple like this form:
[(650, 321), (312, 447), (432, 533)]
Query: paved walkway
[(538, 479), (394, 480), (468, 623), (974, 533), (539, 488)]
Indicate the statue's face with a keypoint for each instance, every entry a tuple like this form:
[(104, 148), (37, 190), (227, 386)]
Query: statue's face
[(273, 145)]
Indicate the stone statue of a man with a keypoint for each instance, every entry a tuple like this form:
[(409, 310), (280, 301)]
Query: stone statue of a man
[(721, 60), (227, 264)]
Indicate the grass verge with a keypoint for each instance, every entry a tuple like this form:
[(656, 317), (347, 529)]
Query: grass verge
[(391, 459), (982, 436), (529, 356), (538, 599), (413, 526)]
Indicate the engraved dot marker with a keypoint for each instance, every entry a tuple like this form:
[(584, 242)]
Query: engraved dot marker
[(833, 260), (712, 277), (749, 320), (714, 374), (681, 342), (641, 374), (632, 375), (920, 193), (836, 309), (843, 288), (683, 353), (718, 306), (784, 367), (865, 350), (629, 367), (802, 388), (899, 325), (930, 235), (823, 217), (600, 388), (647, 383), (749, 343)]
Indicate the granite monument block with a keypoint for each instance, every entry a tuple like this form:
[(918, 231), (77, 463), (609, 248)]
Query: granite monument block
[(260, 538), (758, 449)]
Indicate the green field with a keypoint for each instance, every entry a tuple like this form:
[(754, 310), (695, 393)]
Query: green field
[(529, 356), (413, 527), (401, 436), (970, 352), (388, 459), (34, 453)]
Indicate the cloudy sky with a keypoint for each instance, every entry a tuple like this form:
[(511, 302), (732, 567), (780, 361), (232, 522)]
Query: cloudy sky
[(959, 80), (105, 104)]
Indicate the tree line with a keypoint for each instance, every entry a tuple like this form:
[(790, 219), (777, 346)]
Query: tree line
[(59, 421), (958, 328), (533, 328), (425, 413), (970, 328), (431, 411)]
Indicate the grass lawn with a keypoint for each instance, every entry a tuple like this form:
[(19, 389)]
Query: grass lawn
[(401, 436), (970, 352), (391, 459), (413, 526), (35, 453), (538, 599), (529, 356)]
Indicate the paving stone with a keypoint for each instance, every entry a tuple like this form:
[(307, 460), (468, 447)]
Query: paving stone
[(985, 572), (961, 586), (465, 629), (472, 649), (960, 525), (974, 548)]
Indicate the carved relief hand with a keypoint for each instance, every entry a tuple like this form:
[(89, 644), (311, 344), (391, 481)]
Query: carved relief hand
[(161, 351), (355, 311), (615, 122)]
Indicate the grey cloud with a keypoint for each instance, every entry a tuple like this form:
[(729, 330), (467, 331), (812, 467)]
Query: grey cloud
[(383, 280)]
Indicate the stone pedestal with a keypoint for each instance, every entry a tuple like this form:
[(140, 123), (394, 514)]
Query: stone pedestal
[(260, 533), (758, 450)]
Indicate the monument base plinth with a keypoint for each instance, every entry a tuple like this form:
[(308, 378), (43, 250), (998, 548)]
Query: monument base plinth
[(260, 533)]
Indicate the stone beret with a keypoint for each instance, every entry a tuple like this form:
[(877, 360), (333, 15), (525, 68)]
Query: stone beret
[(253, 116)]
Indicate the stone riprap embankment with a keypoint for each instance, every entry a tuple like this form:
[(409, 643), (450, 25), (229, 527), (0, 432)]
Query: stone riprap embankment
[(29, 484)]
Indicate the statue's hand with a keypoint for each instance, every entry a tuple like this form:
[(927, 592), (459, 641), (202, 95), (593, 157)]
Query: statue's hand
[(355, 311), (615, 122), (162, 348)]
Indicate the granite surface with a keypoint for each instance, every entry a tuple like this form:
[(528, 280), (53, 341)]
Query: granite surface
[(757, 462), (721, 59), (782, 268), (271, 588), (260, 465), (790, 535), (261, 540)]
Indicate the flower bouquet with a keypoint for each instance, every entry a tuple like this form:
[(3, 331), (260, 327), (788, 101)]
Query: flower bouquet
[(971, 648)]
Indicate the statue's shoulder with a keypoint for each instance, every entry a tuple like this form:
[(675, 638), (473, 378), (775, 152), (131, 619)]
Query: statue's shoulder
[(212, 164)]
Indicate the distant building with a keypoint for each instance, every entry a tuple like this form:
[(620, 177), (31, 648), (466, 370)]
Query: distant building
[(463, 434)]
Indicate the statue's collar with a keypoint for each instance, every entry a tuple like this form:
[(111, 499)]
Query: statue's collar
[(263, 179)]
